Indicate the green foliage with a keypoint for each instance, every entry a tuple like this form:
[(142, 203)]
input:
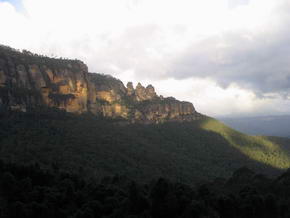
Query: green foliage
[(106, 82), (259, 148), (29, 191), (181, 151), (3, 92), (16, 57)]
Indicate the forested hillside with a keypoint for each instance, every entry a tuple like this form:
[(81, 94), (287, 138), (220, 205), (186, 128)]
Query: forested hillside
[(77, 144), (31, 192), (94, 146)]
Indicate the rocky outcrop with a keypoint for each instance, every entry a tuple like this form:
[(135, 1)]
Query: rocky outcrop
[(28, 81), (130, 89), (142, 93)]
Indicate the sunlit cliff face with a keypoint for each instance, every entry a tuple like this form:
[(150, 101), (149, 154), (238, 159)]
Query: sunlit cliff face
[(30, 81), (235, 50)]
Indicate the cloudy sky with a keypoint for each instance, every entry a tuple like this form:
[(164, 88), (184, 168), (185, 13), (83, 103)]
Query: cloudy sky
[(228, 57)]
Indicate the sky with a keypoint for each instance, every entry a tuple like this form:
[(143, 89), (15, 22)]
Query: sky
[(227, 57)]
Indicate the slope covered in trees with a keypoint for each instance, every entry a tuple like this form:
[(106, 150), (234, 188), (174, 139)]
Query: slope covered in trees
[(187, 152), (31, 192)]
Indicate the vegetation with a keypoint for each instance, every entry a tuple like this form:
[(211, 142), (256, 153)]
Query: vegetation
[(258, 148), (16, 57), (186, 152), (106, 82), (28, 191), (77, 157)]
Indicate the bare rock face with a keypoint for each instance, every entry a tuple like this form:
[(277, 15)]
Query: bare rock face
[(168, 109), (105, 96), (130, 89), (28, 81), (140, 93), (150, 92)]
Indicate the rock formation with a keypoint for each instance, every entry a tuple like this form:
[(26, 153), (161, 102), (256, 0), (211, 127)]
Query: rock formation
[(28, 81)]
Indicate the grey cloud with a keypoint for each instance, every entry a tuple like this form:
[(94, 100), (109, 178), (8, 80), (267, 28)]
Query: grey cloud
[(259, 62), (129, 51)]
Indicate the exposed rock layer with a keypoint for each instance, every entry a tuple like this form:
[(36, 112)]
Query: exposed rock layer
[(28, 81)]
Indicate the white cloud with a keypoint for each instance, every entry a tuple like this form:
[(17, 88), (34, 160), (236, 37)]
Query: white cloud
[(213, 100), (142, 40)]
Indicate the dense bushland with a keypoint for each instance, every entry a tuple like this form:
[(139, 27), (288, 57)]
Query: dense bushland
[(31, 192), (186, 152)]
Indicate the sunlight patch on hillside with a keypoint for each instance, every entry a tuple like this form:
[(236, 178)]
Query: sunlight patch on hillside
[(258, 148)]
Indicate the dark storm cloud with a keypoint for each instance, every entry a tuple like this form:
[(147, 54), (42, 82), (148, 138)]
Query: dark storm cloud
[(256, 61)]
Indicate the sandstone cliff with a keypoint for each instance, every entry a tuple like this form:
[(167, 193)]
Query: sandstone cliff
[(28, 81)]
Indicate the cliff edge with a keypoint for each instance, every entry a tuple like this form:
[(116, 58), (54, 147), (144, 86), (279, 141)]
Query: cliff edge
[(28, 81)]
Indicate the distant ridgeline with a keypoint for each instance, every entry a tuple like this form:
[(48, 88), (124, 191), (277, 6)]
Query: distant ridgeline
[(29, 81)]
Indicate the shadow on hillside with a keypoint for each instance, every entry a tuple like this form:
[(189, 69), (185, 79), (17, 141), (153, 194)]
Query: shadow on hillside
[(271, 151), (98, 147)]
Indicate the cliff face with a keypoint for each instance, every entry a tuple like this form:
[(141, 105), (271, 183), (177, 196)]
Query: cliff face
[(28, 81)]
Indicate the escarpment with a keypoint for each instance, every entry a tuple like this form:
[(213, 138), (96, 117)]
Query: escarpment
[(28, 81)]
